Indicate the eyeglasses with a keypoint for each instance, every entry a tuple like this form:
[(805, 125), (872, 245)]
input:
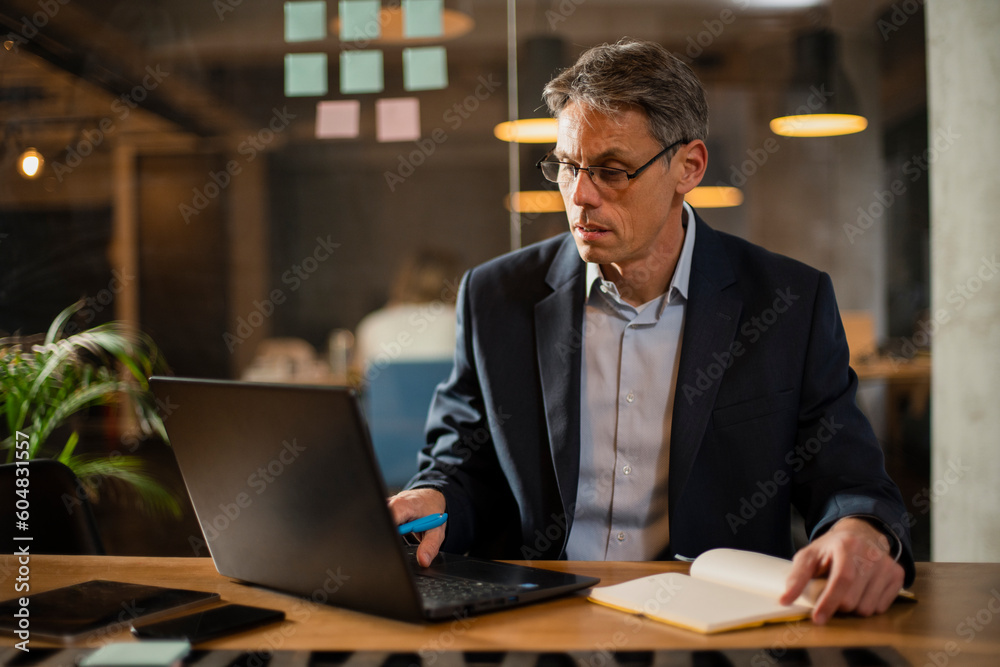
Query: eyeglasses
[(565, 173)]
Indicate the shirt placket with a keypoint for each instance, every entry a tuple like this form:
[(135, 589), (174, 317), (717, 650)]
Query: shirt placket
[(623, 538)]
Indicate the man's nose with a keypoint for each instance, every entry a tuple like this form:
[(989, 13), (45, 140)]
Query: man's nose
[(584, 191)]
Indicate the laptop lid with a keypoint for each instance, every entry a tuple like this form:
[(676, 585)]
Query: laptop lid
[(287, 493), (285, 485)]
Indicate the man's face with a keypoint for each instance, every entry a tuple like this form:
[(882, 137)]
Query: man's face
[(630, 228)]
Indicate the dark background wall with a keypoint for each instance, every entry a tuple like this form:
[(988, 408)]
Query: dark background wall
[(453, 201)]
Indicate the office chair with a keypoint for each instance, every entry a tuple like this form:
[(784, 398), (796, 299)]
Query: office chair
[(396, 400), (60, 520)]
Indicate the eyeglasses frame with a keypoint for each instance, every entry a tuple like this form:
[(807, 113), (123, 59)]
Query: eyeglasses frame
[(577, 169)]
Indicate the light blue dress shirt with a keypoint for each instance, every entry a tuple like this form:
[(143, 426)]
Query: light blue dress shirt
[(630, 361)]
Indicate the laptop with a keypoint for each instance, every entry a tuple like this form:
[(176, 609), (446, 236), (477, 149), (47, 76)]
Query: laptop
[(285, 484)]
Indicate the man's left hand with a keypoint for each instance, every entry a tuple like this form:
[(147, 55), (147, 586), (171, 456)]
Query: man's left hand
[(862, 576)]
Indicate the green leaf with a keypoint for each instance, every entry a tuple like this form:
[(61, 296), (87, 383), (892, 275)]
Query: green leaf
[(67, 452), (101, 393), (57, 324), (129, 470), (46, 380)]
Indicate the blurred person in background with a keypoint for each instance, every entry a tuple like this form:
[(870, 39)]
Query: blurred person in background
[(418, 322)]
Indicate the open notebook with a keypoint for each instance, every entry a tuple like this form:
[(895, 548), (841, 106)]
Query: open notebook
[(727, 589)]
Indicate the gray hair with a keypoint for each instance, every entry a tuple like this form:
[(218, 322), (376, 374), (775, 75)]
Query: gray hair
[(639, 74)]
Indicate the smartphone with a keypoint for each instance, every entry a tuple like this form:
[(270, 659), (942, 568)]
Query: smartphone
[(209, 624)]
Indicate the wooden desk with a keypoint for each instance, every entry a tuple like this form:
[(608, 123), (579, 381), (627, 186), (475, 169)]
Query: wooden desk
[(917, 369), (950, 595)]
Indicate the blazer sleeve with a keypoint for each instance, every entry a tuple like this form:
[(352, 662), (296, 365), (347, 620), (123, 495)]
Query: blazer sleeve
[(837, 465), (459, 458)]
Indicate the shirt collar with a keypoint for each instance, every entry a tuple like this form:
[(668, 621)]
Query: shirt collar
[(682, 272)]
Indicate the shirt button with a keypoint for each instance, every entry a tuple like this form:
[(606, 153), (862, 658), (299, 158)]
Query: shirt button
[(630, 397), (621, 537), (604, 289), (627, 469)]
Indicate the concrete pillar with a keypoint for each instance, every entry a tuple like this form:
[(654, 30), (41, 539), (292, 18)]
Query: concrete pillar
[(963, 58)]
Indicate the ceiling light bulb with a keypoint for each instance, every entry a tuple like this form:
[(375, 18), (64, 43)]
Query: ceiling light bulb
[(818, 125), (528, 130), (535, 201), (30, 163), (714, 196)]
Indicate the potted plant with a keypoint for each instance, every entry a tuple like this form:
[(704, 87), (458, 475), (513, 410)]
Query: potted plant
[(46, 380)]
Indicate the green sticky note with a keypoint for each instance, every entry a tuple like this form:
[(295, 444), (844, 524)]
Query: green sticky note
[(423, 18), (305, 74), (138, 654), (359, 20), (425, 68), (305, 21), (361, 72)]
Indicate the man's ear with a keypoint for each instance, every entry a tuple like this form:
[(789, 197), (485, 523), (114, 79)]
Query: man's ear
[(694, 157)]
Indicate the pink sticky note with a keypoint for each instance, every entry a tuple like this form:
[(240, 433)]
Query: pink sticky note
[(397, 119), (338, 119)]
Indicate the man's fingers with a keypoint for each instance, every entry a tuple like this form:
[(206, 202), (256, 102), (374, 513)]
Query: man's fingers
[(430, 544), (400, 507), (862, 576), (827, 604), (843, 589), (869, 601), (415, 504), (891, 590), (410, 505), (879, 577), (804, 567)]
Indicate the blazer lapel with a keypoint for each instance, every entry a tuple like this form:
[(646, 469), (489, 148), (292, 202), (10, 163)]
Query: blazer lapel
[(711, 321), (558, 336)]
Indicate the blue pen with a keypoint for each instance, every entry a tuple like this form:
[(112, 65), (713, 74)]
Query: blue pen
[(423, 523)]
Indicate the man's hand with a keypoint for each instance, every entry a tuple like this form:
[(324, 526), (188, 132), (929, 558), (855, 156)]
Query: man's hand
[(861, 574), (410, 505)]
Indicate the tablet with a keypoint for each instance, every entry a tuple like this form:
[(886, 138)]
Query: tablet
[(94, 608)]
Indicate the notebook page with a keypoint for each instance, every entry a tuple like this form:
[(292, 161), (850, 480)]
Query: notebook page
[(694, 604), (753, 572)]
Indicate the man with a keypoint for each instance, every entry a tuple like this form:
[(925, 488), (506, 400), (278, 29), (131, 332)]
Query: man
[(645, 387)]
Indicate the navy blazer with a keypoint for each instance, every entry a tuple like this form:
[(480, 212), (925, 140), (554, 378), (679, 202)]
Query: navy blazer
[(764, 412)]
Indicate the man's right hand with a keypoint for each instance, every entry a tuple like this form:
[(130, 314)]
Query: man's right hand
[(411, 505)]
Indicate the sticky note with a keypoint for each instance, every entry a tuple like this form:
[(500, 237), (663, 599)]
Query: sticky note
[(397, 119), (425, 68), (359, 20), (338, 119), (423, 18), (138, 654), (361, 72), (305, 74), (305, 21)]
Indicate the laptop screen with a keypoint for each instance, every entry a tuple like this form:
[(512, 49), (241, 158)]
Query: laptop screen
[(287, 490)]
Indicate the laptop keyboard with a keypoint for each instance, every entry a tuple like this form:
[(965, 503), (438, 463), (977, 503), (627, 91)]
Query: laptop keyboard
[(442, 590)]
